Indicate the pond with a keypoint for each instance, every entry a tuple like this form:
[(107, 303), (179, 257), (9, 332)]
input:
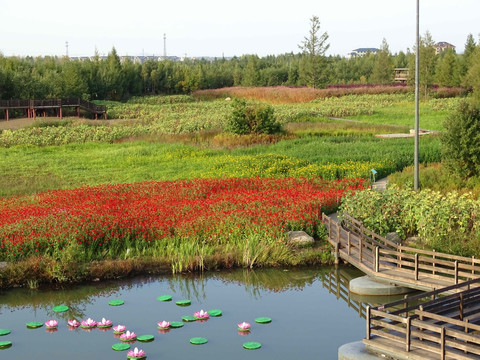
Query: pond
[(311, 310)]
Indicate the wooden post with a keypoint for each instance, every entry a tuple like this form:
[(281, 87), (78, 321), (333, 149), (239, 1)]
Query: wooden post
[(407, 335), (336, 254), (377, 260), (416, 266), (6, 114), (460, 307), (433, 272), (442, 343), (348, 243), (473, 267), (405, 299), (360, 249), (456, 272), (400, 257), (367, 315)]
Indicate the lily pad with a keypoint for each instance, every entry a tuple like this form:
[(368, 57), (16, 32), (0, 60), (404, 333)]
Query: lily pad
[(252, 345), (183, 303), (263, 320), (4, 332), (198, 341), (116, 302), (176, 324), (34, 324), (120, 347), (215, 312), (5, 344), (165, 298), (60, 308), (145, 338), (188, 318)]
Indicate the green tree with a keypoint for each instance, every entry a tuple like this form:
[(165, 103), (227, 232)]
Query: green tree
[(313, 64), (472, 78), (383, 68), (467, 57), (447, 70), (461, 139), (250, 74), (427, 63)]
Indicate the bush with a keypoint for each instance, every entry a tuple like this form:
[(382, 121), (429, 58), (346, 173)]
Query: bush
[(252, 119)]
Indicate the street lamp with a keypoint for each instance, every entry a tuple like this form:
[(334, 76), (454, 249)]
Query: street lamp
[(417, 66)]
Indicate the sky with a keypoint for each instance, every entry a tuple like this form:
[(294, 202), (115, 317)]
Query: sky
[(216, 28)]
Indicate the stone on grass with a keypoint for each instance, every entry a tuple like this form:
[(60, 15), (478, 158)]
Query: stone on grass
[(300, 238), (393, 237)]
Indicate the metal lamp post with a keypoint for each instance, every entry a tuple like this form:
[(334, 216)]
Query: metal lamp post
[(417, 66)]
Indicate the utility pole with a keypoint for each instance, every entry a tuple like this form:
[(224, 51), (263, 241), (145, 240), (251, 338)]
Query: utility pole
[(164, 46), (417, 77)]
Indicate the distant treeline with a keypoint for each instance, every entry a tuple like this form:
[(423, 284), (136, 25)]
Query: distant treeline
[(116, 79)]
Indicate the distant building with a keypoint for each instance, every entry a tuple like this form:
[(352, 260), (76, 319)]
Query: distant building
[(362, 52), (442, 46)]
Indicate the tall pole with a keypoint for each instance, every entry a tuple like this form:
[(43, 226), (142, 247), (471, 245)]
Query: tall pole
[(417, 88), (66, 47), (164, 46)]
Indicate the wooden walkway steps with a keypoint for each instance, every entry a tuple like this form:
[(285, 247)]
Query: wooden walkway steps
[(31, 106), (401, 265), (443, 323)]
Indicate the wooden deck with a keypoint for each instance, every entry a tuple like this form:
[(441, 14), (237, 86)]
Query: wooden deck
[(31, 107), (443, 323), (389, 262)]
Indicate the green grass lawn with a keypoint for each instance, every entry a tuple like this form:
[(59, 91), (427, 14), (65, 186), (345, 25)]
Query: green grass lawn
[(30, 169)]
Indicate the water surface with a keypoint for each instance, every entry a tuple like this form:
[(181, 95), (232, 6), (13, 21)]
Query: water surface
[(311, 310)]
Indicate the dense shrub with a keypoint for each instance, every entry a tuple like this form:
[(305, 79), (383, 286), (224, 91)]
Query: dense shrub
[(252, 119), (448, 223)]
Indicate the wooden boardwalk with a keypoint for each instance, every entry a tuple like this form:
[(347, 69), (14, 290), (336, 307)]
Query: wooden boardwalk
[(30, 107), (443, 323)]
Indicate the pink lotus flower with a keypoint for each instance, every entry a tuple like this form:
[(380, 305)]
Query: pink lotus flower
[(163, 324), (128, 336), (136, 354), (104, 323), (51, 324), (201, 314), (89, 323), (73, 323), (119, 329), (244, 326)]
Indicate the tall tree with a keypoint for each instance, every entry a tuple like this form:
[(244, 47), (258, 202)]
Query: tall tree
[(383, 69), (313, 64), (447, 70), (427, 63), (470, 47)]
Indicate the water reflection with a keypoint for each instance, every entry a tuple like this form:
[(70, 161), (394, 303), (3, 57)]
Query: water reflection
[(308, 296), (193, 286)]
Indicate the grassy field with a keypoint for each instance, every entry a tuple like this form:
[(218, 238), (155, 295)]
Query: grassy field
[(181, 140)]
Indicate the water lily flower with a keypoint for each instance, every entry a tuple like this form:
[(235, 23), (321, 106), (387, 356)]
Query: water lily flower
[(89, 323), (128, 336), (73, 323), (119, 329), (51, 324), (244, 326), (163, 324), (201, 314), (136, 354), (104, 323)]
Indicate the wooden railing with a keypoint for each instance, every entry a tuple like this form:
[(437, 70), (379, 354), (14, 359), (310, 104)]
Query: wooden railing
[(52, 103), (377, 256), (437, 326)]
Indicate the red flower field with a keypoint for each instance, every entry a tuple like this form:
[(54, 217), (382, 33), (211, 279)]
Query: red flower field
[(214, 211)]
